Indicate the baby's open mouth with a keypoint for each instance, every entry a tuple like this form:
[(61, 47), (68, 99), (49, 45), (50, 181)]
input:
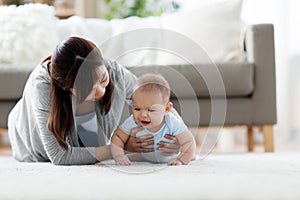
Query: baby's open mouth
[(145, 123)]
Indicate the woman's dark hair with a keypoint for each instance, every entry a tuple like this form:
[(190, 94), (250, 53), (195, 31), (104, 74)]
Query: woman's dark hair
[(74, 64)]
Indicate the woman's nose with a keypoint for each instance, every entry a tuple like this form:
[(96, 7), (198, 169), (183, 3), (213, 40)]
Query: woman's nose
[(100, 90)]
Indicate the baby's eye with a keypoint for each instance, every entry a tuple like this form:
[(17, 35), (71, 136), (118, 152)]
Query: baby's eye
[(137, 109), (151, 110)]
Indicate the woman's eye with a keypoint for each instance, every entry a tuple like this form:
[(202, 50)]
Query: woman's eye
[(103, 80)]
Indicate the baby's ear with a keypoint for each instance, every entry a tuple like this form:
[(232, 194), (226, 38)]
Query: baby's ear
[(169, 106)]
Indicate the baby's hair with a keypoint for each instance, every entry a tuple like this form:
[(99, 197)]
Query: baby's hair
[(150, 82)]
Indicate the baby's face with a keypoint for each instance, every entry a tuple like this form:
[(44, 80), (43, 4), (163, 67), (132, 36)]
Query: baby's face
[(149, 109)]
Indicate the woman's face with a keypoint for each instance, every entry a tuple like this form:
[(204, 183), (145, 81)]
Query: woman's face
[(99, 87)]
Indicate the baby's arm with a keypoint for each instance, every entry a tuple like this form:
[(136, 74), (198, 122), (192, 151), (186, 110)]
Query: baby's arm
[(187, 148), (118, 140)]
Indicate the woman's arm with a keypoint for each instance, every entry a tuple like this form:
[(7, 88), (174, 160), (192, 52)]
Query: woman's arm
[(129, 79), (103, 153), (59, 155), (40, 103)]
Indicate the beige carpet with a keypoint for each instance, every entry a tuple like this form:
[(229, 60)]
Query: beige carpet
[(218, 176)]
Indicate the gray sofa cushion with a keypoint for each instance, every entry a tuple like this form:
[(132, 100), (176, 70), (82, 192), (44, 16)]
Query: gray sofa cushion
[(5, 108), (12, 80), (186, 82)]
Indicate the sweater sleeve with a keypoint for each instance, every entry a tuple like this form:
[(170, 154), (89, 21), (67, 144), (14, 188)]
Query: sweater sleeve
[(129, 80), (56, 154)]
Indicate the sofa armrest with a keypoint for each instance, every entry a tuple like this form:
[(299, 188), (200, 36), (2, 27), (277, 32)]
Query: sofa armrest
[(260, 50)]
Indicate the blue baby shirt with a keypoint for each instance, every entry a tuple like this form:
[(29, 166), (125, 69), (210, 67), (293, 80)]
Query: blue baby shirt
[(172, 126)]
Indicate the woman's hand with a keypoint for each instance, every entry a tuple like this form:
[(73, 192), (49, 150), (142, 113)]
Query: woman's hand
[(137, 144), (169, 149)]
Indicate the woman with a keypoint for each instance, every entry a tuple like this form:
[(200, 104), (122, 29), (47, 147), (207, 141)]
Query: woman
[(70, 89)]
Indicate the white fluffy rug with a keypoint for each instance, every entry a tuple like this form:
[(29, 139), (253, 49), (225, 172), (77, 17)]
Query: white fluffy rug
[(218, 176)]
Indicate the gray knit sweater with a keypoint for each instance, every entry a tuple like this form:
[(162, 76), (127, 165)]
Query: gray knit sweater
[(27, 123)]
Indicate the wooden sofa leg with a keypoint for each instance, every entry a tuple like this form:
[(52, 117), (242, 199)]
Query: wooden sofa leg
[(2, 132), (268, 138), (250, 138)]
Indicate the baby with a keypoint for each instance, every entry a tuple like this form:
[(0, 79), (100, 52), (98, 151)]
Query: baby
[(151, 111)]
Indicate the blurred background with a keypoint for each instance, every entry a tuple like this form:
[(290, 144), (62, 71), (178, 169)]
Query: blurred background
[(283, 14)]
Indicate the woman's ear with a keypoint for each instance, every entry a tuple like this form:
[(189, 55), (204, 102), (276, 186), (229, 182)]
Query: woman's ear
[(169, 106)]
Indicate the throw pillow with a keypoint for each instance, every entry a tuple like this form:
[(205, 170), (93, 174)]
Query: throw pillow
[(27, 33)]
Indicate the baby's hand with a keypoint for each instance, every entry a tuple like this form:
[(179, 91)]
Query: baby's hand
[(122, 160), (175, 162)]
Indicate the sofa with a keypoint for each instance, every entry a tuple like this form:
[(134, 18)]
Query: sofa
[(246, 95), (207, 89)]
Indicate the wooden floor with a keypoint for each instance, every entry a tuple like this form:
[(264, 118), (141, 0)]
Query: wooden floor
[(4, 146), (5, 150)]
